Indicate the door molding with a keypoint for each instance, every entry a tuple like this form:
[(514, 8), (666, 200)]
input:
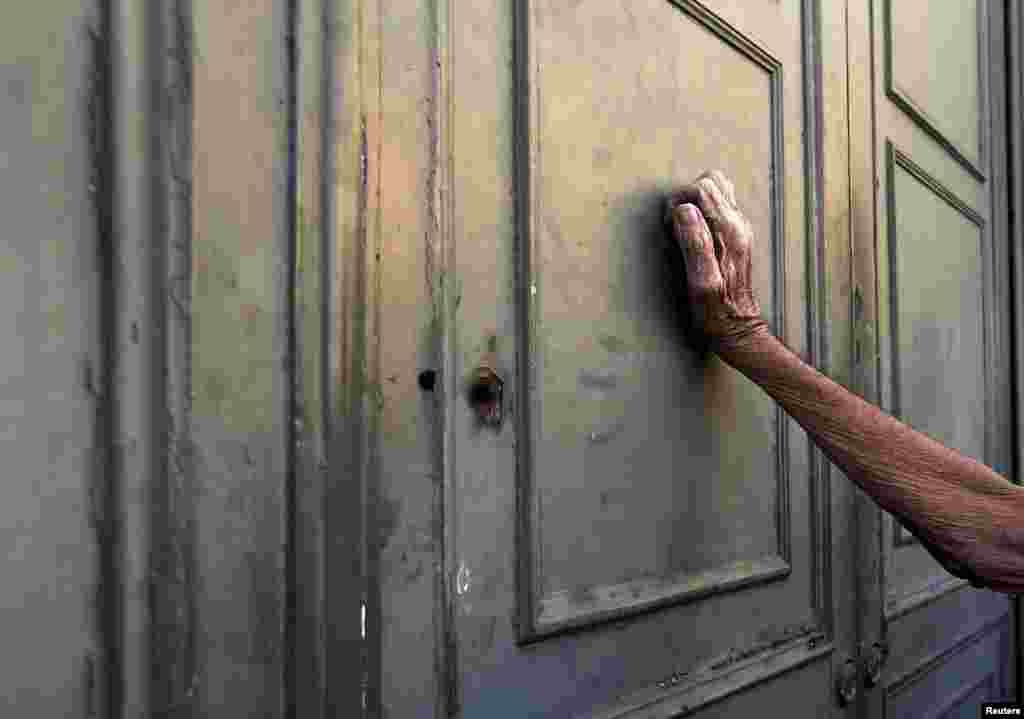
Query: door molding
[(544, 616)]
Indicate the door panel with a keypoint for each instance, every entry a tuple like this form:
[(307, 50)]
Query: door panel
[(972, 675), (939, 190), (640, 536), (957, 652), (938, 249), (612, 396), (642, 533), (937, 286), (927, 45)]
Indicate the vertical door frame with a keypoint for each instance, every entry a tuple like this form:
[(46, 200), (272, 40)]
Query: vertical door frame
[(864, 312), (835, 320), (1015, 145)]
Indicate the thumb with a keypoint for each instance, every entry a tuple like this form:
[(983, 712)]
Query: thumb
[(694, 238)]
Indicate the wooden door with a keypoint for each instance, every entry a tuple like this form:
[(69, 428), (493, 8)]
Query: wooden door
[(55, 372), (930, 188), (630, 529)]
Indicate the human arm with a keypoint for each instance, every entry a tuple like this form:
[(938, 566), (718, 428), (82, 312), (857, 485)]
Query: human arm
[(966, 515)]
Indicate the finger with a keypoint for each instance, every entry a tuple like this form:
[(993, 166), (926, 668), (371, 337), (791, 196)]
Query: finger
[(725, 185), (685, 194), (713, 197), (689, 192), (695, 241), (722, 182), (704, 193), (707, 208)]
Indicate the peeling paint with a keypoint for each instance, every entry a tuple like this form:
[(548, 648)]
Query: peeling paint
[(462, 580), (672, 680), (771, 639), (603, 435), (598, 378)]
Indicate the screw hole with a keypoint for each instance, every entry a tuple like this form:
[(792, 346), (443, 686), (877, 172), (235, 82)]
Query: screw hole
[(427, 380)]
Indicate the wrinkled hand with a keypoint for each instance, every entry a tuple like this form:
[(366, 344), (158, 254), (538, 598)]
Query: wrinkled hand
[(716, 240)]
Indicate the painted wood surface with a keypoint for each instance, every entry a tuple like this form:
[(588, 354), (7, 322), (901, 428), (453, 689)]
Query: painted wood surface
[(255, 251), (931, 253), (56, 377)]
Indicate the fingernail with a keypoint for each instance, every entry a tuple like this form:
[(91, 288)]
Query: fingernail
[(688, 213)]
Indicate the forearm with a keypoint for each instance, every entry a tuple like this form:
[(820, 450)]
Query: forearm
[(969, 517)]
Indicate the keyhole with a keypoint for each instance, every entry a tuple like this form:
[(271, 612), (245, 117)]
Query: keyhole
[(485, 395), (482, 393)]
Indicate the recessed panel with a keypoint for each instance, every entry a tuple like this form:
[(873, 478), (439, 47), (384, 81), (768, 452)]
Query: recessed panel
[(656, 474), (937, 304), (939, 316), (955, 683), (933, 72)]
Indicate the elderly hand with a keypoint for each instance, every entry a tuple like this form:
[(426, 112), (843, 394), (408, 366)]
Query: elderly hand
[(716, 239), (965, 514)]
